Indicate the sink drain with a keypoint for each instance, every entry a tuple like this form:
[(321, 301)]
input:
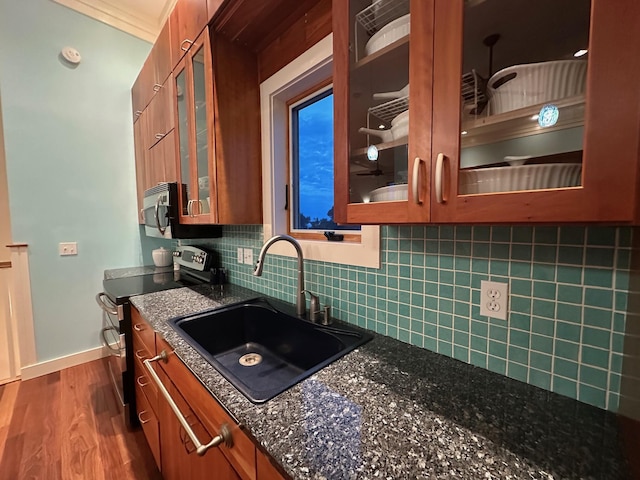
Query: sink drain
[(250, 359)]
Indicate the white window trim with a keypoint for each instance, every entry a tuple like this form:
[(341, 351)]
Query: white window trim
[(304, 72)]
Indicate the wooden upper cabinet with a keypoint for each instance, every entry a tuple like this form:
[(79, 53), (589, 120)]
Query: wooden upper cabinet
[(153, 74), (161, 53), (142, 91), (375, 145), (217, 107), (140, 149), (188, 19), (573, 121), (506, 124), (212, 8)]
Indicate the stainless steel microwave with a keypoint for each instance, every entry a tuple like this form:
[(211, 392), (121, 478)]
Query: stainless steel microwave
[(162, 219)]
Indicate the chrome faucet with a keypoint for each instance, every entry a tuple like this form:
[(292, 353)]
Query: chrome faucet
[(300, 298)]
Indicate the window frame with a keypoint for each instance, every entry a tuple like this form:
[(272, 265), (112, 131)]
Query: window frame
[(316, 90), (309, 69)]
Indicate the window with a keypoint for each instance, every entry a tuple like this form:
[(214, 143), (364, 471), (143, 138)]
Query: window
[(303, 79), (311, 165)]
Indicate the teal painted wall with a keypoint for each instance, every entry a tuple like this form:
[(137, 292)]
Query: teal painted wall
[(569, 288), (70, 162)]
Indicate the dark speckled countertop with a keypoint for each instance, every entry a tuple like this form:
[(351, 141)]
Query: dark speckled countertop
[(393, 411)]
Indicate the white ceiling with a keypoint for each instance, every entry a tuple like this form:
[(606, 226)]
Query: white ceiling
[(142, 18)]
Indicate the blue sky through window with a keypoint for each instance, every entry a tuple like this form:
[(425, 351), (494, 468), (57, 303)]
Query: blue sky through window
[(315, 156)]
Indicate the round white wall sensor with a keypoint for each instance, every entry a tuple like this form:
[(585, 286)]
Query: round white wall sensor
[(71, 55)]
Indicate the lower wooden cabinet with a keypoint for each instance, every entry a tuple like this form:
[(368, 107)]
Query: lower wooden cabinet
[(179, 459), (173, 450)]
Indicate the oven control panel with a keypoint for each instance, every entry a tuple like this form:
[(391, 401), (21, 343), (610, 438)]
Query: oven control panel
[(194, 258)]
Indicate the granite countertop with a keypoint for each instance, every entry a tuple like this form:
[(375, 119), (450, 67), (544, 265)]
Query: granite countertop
[(390, 410)]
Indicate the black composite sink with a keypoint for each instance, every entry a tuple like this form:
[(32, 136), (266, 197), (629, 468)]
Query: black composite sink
[(263, 351)]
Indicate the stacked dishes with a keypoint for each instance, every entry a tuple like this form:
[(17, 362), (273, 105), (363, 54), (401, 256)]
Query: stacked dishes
[(519, 178), (520, 86)]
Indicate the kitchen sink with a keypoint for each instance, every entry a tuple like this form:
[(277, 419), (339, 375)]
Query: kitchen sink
[(262, 350)]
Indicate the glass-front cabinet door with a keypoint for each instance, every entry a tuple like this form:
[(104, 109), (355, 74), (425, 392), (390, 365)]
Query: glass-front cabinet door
[(193, 98), (373, 51), (522, 113)]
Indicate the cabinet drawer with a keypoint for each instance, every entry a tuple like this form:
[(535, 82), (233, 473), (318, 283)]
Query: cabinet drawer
[(149, 422), (144, 382), (143, 331), (242, 455)]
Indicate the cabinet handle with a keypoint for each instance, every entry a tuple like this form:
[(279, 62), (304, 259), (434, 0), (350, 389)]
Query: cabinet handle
[(187, 41), (416, 180), (156, 87), (139, 380), (140, 356), (142, 214), (160, 135), (140, 417), (138, 113), (438, 179), (225, 433), (138, 327)]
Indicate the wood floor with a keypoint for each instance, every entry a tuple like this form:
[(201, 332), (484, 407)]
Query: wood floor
[(66, 425)]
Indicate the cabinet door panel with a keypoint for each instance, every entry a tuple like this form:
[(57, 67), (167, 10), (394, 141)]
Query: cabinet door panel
[(188, 19), (527, 99), (149, 422), (179, 459), (242, 455), (139, 139), (377, 127)]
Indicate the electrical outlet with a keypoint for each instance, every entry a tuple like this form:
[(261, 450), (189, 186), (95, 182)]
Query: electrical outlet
[(68, 248), (240, 255), (248, 256), (494, 299)]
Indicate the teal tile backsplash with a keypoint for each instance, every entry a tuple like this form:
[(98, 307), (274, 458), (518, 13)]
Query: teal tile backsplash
[(568, 297)]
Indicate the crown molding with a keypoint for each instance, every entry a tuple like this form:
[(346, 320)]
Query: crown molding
[(120, 15)]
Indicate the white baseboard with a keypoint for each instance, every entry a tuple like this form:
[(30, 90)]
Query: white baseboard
[(57, 364)]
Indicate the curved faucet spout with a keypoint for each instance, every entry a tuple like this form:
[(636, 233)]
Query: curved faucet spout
[(300, 298)]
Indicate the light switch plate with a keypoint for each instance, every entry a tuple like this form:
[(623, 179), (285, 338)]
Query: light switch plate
[(494, 299), (248, 256), (68, 248), (240, 255)]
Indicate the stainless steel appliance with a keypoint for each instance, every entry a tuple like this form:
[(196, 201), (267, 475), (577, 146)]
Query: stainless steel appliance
[(161, 216), (198, 266)]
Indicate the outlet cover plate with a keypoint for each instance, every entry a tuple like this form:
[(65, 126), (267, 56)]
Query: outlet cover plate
[(248, 256), (68, 248), (494, 299)]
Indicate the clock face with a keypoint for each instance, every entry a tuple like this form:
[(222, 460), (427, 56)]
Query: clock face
[(548, 115)]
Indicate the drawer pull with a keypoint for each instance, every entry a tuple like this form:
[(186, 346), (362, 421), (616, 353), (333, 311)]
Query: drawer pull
[(140, 356), (225, 433), (139, 380), (140, 417)]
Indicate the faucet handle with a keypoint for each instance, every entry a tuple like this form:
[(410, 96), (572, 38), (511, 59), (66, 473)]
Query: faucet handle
[(314, 306)]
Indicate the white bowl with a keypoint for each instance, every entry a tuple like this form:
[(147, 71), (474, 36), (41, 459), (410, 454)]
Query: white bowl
[(388, 34), (390, 193), (519, 178), (535, 83)]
